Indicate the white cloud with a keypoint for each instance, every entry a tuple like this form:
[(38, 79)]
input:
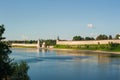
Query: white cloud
[(90, 25)]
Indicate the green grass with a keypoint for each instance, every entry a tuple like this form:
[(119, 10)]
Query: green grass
[(103, 47)]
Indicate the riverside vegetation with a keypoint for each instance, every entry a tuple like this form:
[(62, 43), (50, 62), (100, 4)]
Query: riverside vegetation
[(104, 47), (115, 47)]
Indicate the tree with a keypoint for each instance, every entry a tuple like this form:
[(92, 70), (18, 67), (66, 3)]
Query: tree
[(102, 37), (89, 38), (117, 36), (7, 69), (110, 36), (20, 71), (77, 38), (2, 29), (5, 61), (50, 42)]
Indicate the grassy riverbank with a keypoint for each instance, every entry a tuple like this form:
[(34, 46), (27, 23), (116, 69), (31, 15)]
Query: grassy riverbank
[(112, 47)]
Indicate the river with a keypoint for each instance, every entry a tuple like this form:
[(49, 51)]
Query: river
[(68, 65)]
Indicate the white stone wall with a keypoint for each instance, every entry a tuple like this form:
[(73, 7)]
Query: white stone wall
[(86, 42), (26, 45)]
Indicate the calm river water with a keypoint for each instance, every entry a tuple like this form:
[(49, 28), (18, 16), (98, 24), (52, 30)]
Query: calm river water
[(68, 65)]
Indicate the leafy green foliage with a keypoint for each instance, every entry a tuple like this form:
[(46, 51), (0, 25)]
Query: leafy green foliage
[(8, 69), (117, 36), (2, 29), (77, 38), (102, 37), (104, 47), (20, 71), (89, 38), (23, 41), (110, 36), (50, 42), (5, 61)]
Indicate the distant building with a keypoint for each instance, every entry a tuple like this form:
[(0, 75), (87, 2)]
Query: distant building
[(38, 43), (43, 45)]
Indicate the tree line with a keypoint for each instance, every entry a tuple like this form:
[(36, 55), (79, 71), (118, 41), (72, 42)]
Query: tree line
[(99, 37), (49, 42), (52, 42)]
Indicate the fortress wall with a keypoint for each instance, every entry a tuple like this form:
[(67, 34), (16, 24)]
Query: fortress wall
[(29, 45), (86, 42)]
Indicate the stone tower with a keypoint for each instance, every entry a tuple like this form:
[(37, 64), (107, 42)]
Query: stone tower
[(38, 44), (43, 45)]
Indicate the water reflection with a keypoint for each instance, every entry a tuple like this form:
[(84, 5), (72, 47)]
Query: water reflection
[(69, 65), (101, 58), (44, 54)]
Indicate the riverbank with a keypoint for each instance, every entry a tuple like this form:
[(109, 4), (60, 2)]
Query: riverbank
[(95, 51), (111, 47), (73, 50)]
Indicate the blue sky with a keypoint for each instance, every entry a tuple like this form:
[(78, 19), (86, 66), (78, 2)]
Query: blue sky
[(47, 19)]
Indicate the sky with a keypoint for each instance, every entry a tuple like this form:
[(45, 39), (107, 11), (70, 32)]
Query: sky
[(48, 19)]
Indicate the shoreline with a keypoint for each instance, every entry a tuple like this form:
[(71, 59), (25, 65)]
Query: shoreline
[(95, 51), (74, 50)]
